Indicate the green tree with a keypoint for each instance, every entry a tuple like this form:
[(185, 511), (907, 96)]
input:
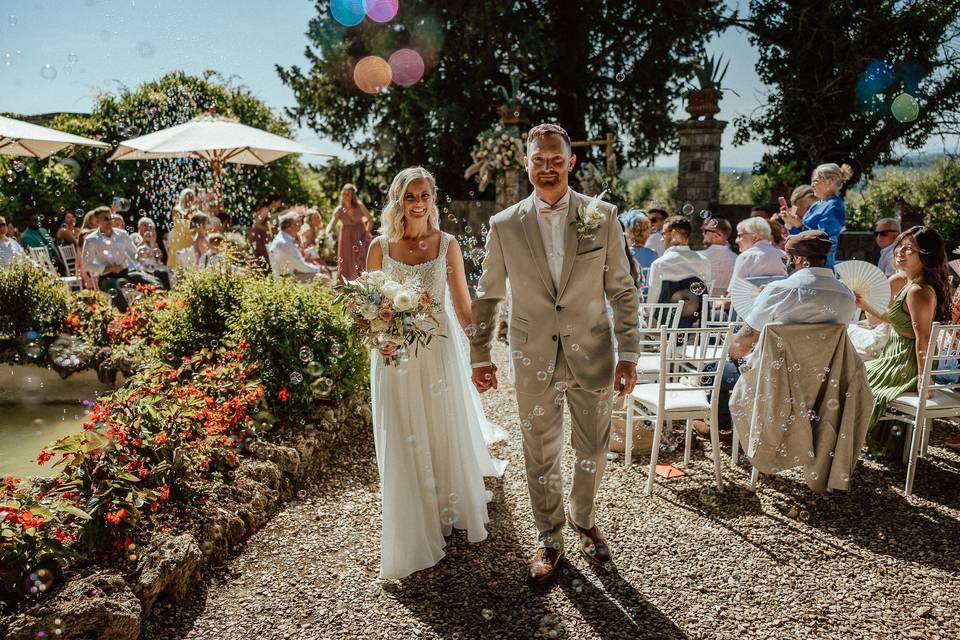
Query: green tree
[(152, 185), (852, 81), (594, 67)]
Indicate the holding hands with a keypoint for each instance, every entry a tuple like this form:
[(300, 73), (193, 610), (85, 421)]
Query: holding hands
[(485, 377)]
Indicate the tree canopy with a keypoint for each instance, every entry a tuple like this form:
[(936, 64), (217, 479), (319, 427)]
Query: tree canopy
[(851, 81), (81, 178), (593, 67)]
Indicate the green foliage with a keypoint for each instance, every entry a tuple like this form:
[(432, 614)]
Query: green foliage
[(595, 67), (32, 301), (196, 317), (654, 189), (709, 74), (152, 186), (302, 345), (835, 69), (934, 191)]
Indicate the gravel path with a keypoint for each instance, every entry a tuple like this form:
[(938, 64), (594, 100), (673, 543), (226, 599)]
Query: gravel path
[(781, 564)]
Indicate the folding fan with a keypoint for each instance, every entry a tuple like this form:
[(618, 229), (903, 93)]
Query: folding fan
[(743, 294), (865, 279), (955, 265)]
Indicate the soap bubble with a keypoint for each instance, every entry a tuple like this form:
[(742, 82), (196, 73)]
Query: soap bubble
[(145, 49), (621, 76), (905, 108), (48, 72), (698, 288), (687, 209)]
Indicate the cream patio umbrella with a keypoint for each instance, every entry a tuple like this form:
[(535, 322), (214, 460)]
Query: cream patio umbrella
[(19, 138), (213, 138)]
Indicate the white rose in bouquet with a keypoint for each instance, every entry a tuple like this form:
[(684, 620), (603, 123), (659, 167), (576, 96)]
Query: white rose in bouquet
[(376, 278), (369, 311), (404, 300), (390, 288)]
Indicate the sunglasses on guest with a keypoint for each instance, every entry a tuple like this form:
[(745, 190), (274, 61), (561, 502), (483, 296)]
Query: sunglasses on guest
[(885, 232)]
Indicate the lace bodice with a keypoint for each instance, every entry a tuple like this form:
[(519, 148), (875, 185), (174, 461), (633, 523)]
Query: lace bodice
[(432, 274)]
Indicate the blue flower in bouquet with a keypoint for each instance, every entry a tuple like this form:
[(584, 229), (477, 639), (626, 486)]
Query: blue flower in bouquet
[(373, 298)]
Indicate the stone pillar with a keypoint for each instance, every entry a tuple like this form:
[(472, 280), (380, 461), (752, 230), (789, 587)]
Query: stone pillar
[(698, 179)]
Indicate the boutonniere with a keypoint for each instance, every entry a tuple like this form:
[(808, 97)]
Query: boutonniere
[(590, 218)]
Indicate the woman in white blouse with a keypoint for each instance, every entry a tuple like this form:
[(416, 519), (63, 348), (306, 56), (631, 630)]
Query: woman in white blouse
[(758, 257)]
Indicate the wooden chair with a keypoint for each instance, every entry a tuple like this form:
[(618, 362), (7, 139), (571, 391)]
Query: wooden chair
[(680, 395)]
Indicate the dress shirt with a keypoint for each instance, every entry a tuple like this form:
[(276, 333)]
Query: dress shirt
[(116, 250), (285, 257), (9, 250), (722, 259), (553, 233), (676, 264), (828, 216), (655, 242), (808, 296), (762, 259), (886, 261)]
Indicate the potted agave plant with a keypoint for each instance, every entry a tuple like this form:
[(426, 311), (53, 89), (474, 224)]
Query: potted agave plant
[(704, 101), (511, 111)]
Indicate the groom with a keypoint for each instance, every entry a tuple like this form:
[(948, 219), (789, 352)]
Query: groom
[(564, 267)]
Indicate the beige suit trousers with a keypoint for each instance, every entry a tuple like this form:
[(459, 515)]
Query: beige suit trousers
[(541, 419)]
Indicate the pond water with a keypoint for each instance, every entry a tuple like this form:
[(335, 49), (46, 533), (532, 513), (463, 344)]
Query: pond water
[(25, 429)]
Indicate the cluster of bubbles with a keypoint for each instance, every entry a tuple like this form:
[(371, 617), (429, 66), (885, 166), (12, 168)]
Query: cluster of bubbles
[(880, 79)]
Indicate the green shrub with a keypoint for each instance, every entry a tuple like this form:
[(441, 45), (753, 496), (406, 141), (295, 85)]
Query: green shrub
[(31, 300), (197, 315), (301, 343)]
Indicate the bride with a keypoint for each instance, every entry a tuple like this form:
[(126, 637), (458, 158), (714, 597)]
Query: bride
[(429, 428)]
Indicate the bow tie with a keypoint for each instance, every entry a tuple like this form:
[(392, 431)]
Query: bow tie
[(548, 212)]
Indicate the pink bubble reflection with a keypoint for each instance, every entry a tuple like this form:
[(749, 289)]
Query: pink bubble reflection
[(381, 10), (407, 67)]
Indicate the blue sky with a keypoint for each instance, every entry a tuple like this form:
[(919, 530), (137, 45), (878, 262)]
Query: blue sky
[(93, 44)]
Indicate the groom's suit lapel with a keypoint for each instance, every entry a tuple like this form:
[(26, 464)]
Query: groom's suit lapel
[(531, 230), (570, 241)]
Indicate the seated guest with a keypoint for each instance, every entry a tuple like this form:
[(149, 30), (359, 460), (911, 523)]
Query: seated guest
[(212, 257), (110, 254), (921, 288), (885, 234), (285, 256), (35, 236), (776, 230), (678, 262), (199, 226), (68, 233), (716, 235), (638, 229), (811, 295), (657, 217), (151, 257), (758, 257), (116, 219), (10, 250)]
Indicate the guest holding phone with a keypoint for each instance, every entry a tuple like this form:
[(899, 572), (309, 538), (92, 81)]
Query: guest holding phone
[(828, 213)]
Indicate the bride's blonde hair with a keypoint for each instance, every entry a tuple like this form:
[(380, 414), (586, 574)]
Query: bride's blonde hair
[(392, 215)]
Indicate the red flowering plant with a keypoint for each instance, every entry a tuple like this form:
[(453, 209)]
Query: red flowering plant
[(35, 529), (89, 314), (146, 442), (137, 322)]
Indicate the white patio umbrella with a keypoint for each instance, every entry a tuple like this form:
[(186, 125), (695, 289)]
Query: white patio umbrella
[(214, 138), (18, 138)]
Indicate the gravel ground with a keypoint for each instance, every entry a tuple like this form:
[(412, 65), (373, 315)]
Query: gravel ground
[(690, 564)]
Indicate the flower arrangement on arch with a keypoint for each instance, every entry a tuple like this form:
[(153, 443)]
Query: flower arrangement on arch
[(498, 150), (385, 312)]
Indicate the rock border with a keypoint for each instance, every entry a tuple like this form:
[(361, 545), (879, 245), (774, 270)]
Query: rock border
[(108, 605)]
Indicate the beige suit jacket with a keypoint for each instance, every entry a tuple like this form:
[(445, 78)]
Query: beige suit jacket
[(574, 314)]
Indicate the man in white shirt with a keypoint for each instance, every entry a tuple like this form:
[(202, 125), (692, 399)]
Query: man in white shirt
[(678, 261), (885, 234), (758, 257), (10, 249), (655, 241), (110, 254), (716, 234), (285, 256), (811, 295)]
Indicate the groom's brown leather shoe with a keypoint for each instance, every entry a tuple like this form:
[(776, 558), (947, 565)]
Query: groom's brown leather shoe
[(593, 546), (543, 567)]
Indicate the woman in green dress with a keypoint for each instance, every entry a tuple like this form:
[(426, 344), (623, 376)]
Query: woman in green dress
[(921, 295)]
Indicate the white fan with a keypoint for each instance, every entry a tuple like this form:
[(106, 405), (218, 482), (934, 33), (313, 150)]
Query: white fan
[(865, 279), (955, 265), (743, 294)]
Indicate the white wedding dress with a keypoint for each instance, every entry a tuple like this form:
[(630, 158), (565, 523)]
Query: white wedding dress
[(431, 437)]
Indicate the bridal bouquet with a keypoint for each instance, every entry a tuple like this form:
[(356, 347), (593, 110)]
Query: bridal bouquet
[(386, 312)]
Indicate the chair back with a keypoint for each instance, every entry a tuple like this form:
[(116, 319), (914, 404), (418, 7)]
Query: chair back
[(652, 318), (718, 311), (943, 361), (689, 292), (697, 363), (644, 283), (41, 256), (69, 254)]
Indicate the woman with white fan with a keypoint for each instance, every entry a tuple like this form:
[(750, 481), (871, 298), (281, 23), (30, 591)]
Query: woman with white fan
[(921, 289)]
